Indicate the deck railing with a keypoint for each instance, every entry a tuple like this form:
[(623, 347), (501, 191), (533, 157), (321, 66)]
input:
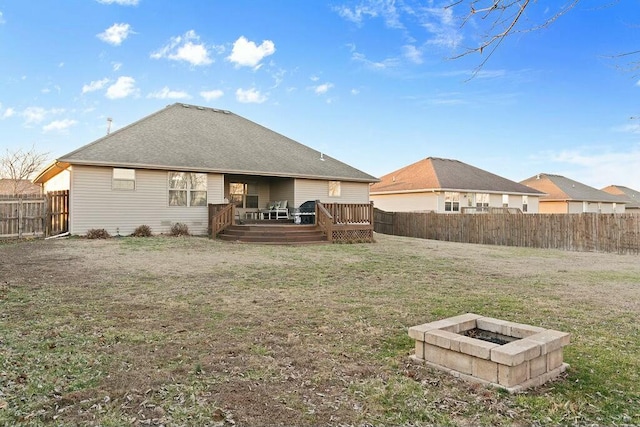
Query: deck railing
[(345, 222), (221, 216)]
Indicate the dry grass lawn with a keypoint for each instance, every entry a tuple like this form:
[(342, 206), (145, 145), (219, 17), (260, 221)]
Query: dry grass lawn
[(193, 331)]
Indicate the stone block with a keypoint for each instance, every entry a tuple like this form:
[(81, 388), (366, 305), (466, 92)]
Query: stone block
[(510, 376), (458, 362), (464, 322), (435, 354), (485, 370), (493, 325), (550, 340), (420, 349), (515, 352), (417, 332), (440, 338), (475, 347), (519, 330), (554, 359), (538, 366)]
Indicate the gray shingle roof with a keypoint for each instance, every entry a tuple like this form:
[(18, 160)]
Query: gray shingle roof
[(439, 174), (629, 195), (201, 139), (560, 188)]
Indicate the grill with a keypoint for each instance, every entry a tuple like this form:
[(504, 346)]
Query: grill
[(306, 213)]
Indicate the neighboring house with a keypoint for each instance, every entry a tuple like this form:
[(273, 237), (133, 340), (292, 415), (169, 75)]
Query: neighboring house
[(449, 186), (166, 168), (18, 187), (631, 197), (568, 196)]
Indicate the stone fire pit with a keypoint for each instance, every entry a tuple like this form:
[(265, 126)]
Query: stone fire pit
[(491, 351)]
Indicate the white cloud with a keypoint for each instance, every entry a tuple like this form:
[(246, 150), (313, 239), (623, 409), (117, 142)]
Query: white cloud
[(120, 2), (385, 9), (166, 93), (314, 78), (115, 34), (95, 85), (250, 96), (599, 167), (9, 112), (440, 22), (413, 54), (185, 48), (246, 53), (116, 66), (379, 65), (355, 92), (212, 94), (323, 88), (122, 88), (59, 125), (2, 21), (34, 115)]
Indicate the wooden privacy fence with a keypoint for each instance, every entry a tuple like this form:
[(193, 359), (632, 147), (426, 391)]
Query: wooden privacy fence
[(589, 232), (31, 217)]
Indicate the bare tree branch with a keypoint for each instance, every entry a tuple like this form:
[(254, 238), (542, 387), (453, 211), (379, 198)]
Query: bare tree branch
[(502, 18), (19, 166)]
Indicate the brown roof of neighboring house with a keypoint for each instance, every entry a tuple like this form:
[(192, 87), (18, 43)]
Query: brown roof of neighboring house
[(630, 196), (9, 187), (559, 188), (201, 139), (439, 174)]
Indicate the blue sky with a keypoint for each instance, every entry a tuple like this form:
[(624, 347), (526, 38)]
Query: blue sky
[(368, 82)]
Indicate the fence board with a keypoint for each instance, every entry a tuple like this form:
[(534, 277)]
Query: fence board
[(589, 232), (34, 217)]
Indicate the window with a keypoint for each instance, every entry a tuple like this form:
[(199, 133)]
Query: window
[(334, 188), (451, 202), (482, 201), (187, 189), (123, 179), (525, 203), (243, 195), (505, 200)]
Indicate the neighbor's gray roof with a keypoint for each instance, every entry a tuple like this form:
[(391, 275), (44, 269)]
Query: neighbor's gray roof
[(200, 139), (629, 195), (439, 174), (560, 188)]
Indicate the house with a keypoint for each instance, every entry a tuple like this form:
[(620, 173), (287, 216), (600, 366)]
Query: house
[(565, 195), (450, 186), (167, 167), (18, 187), (631, 197)]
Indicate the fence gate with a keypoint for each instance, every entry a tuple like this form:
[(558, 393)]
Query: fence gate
[(31, 216)]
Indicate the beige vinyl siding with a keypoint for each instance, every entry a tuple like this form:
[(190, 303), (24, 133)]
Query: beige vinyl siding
[(312, 189), (408, 202), (282, 190), (94, 204)]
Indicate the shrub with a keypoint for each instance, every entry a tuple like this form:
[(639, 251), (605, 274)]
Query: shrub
[(98, 233), (142, 231), (179, 229)]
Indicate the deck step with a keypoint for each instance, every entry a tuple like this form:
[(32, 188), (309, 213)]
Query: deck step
[(273, 234)]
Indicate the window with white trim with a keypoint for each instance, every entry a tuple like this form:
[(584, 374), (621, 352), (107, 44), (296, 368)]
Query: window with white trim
[(243, 195), (525, 203), (451, 201), (334, 188), (505, 200), (123, 179), (482, 201), (187, 189)]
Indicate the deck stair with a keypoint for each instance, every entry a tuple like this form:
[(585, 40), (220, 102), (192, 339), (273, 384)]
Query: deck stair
[(283, 234)]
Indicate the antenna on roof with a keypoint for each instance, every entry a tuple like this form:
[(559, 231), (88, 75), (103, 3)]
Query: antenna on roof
[(109, 120)]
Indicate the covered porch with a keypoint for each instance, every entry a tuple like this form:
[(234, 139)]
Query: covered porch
[(337, 222)]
